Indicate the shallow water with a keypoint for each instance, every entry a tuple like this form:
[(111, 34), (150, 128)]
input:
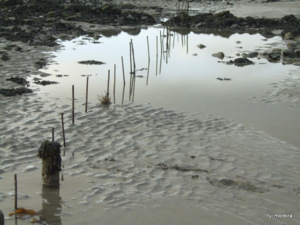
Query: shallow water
[(184, 79), (140, 164)]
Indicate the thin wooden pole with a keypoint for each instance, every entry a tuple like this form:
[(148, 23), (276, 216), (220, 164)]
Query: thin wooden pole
[(108, 78), (133, 57), (114, 84), (156, 53), (130, 52), (87, 91), (148, 49), (52, 134), (123, 70), (73, 104), (16, 191), (63, 128)]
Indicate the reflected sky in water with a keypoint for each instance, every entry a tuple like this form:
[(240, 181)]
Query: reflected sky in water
[(185, 81)]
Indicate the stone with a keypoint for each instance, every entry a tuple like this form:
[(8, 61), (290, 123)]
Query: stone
[(201, 46), (240, 62), (219, 55)]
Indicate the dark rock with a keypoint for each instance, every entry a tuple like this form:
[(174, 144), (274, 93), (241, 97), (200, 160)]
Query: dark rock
[(40, 63), (45, 82), (252, 54), (91, 62), (219, 55), (240, 62), (201, 46), (273, 57), (14, 92), (18, 80)]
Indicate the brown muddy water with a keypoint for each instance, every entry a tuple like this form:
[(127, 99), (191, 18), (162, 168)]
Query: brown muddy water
[(183, 79)]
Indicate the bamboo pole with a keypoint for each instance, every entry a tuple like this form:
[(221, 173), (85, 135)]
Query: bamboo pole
[(16, 192), (123, 70), (108, 78), (63, 128), (148, 49), (130, 52), (156, 53), (133, 57), (123, 94), (73, 104), (86, 95), (114, 91)]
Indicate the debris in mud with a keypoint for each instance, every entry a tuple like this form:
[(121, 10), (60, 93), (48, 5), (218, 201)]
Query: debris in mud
[(180, 168), (91, 62), (15, 91), (19, 80), (245, 185), (240, 62)]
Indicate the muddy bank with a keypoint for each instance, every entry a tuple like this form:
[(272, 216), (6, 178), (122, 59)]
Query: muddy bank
[(40, 22)]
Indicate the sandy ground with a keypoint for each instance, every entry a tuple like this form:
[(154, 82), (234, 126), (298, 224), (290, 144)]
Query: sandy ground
[(135, 164)]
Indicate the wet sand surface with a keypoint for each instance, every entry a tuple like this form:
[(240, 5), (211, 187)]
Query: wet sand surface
[(140, 164)]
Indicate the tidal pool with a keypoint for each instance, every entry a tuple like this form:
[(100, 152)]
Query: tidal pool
[(183, 78)]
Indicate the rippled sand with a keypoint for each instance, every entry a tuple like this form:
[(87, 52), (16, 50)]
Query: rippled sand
[(136, 164)]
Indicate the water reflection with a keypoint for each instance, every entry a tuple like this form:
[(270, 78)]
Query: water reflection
[(51, 206)]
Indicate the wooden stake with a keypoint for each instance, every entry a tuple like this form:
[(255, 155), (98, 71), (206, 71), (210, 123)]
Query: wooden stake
[(108, 78), (123, 70), (156, 53), (133, 57), (87, 91), (16, 192), (130, 52), (114, 84), (63, 128), (73, 104), (148, 49)]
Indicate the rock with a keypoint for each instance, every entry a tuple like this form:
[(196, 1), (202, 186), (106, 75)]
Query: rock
[(45, 82), (288, 36), (201, 46), (274, 56), (18, 80), (219, 55), (91, 62), (40, 63), (240, 62), (14, 92), (252, 54)]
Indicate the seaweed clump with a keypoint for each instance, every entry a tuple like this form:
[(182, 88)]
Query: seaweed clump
[(105, 100), (49, 152)]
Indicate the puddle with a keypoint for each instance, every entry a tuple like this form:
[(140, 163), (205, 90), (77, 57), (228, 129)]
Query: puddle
[(184, 79)]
